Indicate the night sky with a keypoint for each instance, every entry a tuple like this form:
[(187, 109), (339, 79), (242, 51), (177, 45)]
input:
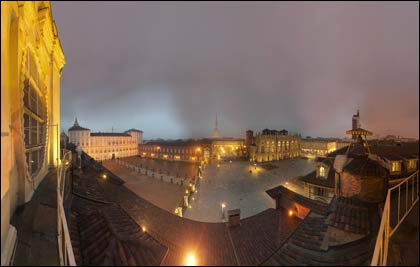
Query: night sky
[(168, 68)]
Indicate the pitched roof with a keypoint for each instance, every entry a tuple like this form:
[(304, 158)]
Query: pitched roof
[(311, 177), (106, 235), (134, 130), (364, 166), (313, 205), (404, 149), (306, 246), (109, 134)]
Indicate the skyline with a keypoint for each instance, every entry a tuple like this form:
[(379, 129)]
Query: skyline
[(173, 66)]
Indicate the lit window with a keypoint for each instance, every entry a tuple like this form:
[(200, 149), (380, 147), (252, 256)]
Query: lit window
[(395, 166), (411, 164), (321, 171)]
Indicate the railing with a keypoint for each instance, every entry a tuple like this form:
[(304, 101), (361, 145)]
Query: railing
[(65, 249), (404, 206)]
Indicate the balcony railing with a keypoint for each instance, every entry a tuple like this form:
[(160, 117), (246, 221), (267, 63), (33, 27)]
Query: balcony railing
[(65, 248), (394, 213)]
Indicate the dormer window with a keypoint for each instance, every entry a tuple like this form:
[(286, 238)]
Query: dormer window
[(321, 171), (395, 166), (411, 164)]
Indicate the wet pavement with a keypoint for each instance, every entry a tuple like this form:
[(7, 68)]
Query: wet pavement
[(233, 185)]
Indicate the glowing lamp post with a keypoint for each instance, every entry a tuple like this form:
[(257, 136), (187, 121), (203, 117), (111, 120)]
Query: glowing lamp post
[(190, 260), (223, 208)]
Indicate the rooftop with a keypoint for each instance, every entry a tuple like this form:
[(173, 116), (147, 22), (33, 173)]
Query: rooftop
[(109, 134)]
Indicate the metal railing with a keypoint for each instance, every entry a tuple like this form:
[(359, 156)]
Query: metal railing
[(404, 206), (65, 249)]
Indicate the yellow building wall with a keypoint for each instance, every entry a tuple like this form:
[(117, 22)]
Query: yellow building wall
[(25, 26)]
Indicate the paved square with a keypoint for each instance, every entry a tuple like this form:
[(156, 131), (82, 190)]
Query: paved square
[(233, 185)]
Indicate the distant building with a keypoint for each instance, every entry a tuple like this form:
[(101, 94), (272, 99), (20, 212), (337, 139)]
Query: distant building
[(228, 148), (177, 150), (312, 148), (32, 60), (201, 150), (274, 145), (106, 145)]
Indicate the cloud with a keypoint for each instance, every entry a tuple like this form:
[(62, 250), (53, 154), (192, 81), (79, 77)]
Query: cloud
[(169, 67)]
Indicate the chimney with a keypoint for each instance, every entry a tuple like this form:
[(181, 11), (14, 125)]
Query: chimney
[(234, 217)]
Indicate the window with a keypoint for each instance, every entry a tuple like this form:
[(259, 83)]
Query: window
[(411, 164), (34, 117), (321, 171), (395, 166), (320, 191)]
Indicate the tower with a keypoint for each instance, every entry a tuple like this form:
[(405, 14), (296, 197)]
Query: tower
[(216, 133), (355, 123)]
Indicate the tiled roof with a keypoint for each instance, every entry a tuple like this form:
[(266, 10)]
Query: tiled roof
[(261, 235), (313, 205), (364, 166), (268, 235), (309, 245), (408, 149), (329, 182), (109, 134), (301, 253), (351, 215), (106, 235), (311, 178), (88, 188)]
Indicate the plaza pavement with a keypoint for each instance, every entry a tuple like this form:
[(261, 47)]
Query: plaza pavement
[(233, 185), (164, 195), (230, 183)]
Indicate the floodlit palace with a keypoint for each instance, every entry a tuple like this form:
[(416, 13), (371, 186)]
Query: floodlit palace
[(105, 145)]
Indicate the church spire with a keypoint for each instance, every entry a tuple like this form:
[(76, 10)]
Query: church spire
[(216, 133), (76, 123)]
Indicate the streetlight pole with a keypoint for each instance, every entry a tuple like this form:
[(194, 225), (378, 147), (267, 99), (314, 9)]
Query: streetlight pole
[(223, 207)]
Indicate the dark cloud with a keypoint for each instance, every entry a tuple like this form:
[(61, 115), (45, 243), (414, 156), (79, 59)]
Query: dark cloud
[(167, 67)]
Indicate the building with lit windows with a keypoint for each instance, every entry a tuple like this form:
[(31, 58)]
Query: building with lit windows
[(105, 145), (312, 148), (177, 150), (228, 148), (31, 63), (273, 145)]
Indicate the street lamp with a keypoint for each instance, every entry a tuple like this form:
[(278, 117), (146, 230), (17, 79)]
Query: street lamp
[(223, 207), (190, 260)]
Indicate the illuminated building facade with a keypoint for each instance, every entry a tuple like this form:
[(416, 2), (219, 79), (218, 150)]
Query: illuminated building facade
[(228, 148), (274, 145), (31, 63), (105, 145), (177, 150), (312, 148), (201, 150)]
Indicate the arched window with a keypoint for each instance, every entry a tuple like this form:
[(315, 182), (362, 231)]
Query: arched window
[(321, 171)]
